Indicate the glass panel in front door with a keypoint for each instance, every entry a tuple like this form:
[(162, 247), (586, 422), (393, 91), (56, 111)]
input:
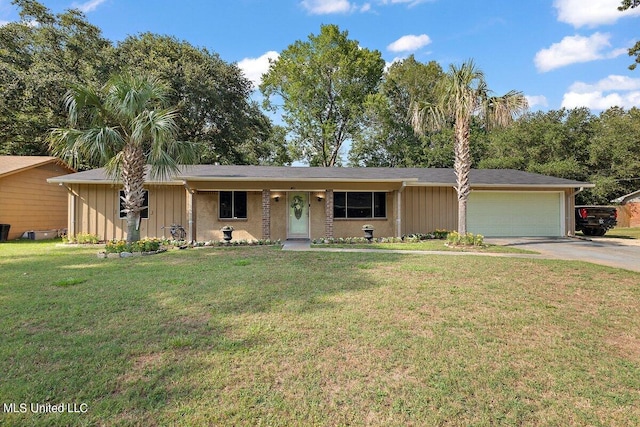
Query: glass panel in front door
[(299, 215)]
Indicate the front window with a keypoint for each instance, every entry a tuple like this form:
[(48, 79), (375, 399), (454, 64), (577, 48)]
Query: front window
[(233, 204), (359, 204), (144, 214)]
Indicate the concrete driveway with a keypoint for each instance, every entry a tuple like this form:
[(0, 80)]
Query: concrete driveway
[(612, 252)]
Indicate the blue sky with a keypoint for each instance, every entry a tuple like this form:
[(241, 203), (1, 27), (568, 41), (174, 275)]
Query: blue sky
[(559, 53)]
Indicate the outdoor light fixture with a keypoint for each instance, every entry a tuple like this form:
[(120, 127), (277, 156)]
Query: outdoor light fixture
[(319, 198), (277, 198)]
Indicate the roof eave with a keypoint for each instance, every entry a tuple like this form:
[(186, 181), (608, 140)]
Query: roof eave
[(568, 185), (484, 185), (61, 180), (275, 179), (35, 165)]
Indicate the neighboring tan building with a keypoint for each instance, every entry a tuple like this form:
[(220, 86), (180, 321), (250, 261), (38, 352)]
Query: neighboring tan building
[(27, 201), (629, 209), (307, 203)]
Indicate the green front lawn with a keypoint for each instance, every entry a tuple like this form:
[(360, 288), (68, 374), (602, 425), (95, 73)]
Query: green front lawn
[(427, 245), (624, 233), (257, 336)]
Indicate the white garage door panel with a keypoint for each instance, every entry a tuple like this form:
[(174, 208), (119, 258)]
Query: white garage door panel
[(515, 213)]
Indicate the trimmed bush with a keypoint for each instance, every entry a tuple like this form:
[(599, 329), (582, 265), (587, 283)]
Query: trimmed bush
[(119, 246), (456, 239)]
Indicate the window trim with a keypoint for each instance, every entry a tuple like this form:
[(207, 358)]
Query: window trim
[(233, 216), (144, 213), (373, 207)]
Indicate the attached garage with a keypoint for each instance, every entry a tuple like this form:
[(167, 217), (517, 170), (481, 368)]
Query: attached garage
[(516, 213)]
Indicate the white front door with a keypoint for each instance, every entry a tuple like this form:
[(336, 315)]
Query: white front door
[(298, 210)]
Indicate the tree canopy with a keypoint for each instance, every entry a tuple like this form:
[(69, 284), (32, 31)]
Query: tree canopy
[(38, 64), (323, 84), (635, 50), (388, 139), (213, 97)]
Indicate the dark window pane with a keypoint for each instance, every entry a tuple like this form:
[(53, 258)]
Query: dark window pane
[(359, 205), (226, 204), (144, 214), (240, 204), (123, 215), (339, 205), (379, 205)]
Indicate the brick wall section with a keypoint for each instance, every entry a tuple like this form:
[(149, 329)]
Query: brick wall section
[(266, 214), (328, 210)]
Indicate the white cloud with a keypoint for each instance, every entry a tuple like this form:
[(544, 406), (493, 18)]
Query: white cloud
[(409, 43), (254, 68), (88, 6), (534, 100), (612, 82), (592, 13), (411, 2), (621, 91), (575, 49), (325, 7)]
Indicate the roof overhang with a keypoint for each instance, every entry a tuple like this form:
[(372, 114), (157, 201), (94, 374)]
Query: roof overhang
[(624, 199), (498, 186), (63, 180), (38, 161)]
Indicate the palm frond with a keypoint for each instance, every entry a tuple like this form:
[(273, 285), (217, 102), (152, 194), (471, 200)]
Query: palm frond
[(501, 111), (426, 117), (100, 144), (62, 143), (114, 166)]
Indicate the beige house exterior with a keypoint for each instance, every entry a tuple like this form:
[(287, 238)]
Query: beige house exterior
[(629, 209), (27, 201), (263, 202)]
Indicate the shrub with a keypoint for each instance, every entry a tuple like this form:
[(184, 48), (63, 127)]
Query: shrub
[(83, 239), (440, 234), (456, 239), (150, 245), (115, 246), (145, 245)]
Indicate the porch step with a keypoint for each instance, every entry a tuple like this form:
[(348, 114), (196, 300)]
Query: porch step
[(296, 245)]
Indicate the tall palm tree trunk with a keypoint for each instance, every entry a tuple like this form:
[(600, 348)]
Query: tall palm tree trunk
[(462, 167), (133, 165)]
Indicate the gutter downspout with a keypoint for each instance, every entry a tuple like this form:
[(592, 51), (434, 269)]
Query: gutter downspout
[(71, 218), (399, 209), (571, 203)]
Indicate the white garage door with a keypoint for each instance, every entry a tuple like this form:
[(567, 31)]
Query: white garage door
[(518, 214)]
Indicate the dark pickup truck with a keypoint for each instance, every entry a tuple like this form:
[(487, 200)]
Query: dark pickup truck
[(595, 220)]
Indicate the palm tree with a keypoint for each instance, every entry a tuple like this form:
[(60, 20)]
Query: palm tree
[(127, 127), (461, 95)]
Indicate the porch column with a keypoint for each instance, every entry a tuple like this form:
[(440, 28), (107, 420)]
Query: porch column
[(398, 214), (328, 211), (71, 231), (266, 214), (190, 208)]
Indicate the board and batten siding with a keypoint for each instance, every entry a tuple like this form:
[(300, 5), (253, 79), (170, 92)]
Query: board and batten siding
[(93, 209), (426, 209), (29, 203)]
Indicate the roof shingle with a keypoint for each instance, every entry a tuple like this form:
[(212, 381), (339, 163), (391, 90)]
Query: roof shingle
[(419, 176), (13, 164)]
